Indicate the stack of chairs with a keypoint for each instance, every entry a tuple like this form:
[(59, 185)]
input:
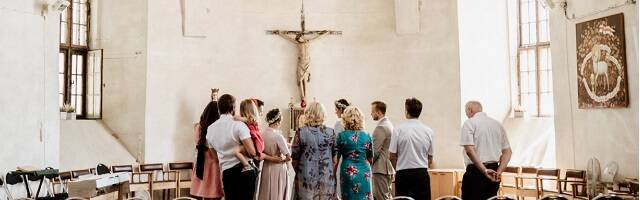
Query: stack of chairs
[(535, 182)]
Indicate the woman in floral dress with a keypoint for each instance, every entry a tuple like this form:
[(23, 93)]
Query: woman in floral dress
[(355, 147), (312, 153)]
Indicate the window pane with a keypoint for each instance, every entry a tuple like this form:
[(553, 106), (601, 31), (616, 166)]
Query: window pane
[(543, 54), (61, 83), (532, 82), (543, 14), (80, 83), (524, 82), (74, 84), (524, 12), (533, 38), (83, 13), (546, 104), (76, 13), (544, 81), (64, 15), (523, 60), (83, 35), (532, 59), (79, 105), (74, 63), (532, 11), (61, 100), (529, 103), (75, 39), (544, 31), (524, 34), (80, 66), (73, 101), (61, 58), (64, 33)]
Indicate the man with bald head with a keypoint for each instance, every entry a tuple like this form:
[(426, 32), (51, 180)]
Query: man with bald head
[(486, 153)]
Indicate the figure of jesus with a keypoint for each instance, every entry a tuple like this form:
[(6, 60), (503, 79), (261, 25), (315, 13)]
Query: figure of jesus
[(302, 42)]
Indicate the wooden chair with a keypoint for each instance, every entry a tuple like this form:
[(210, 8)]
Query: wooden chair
[(77, 173), (509, 181), (551, 178), (59, 184), (571, 176), (525, 186), (185, 169), (161, 180), (140, 181)]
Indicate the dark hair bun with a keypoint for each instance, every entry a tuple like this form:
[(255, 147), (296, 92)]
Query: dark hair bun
[(273, 116)]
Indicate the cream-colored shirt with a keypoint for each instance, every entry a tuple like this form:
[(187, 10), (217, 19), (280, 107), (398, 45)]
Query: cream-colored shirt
[(487, 136), (412, 141), (224, 136)]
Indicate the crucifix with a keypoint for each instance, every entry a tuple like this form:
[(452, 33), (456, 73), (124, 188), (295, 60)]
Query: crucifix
[(302, 39)]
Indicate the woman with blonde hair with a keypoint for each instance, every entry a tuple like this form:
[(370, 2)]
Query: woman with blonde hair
[(312, 154), (249, 115), (354, 145)]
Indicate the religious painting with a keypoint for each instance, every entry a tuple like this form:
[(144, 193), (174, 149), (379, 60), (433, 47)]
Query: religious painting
[(602, 67)]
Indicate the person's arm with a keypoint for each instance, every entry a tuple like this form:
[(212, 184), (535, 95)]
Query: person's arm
[(506, 154), (379, 136), (273, 159), (318, 35), (430, 151), (370, 153), (287, 37), (473, 156), (244, 135)]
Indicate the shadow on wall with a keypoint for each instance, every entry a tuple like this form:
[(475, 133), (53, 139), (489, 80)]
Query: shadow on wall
[(532, 141)]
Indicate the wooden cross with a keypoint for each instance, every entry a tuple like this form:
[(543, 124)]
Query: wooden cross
[(302, 39)]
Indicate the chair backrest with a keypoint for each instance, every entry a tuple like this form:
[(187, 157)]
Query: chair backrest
[(508, 176), (155, 167), (180, 166), (184, 168), (77, 173), (513, 170), (529, 171), (65, 176), (102, 169), (574, 174), (151, 167), (121, 168), (555, 173)]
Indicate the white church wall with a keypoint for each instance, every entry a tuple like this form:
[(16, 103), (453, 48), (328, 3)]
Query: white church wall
[(119, 28), (484, 56), (607, 134), (368, 62), (85, 143), (29, 123)]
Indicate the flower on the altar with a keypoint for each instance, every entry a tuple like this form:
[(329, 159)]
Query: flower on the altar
[(352, 170)]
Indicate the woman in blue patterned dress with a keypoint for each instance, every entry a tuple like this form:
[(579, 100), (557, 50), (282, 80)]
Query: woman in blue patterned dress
[(355, 147), (312, 153)]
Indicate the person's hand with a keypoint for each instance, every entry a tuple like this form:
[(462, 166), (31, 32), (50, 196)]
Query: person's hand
[(498, 176), (490, 174)]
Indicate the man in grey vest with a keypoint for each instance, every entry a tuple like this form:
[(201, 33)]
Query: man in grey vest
[(382, 168)]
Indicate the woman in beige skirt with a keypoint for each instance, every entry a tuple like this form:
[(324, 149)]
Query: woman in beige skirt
[(275, 181)]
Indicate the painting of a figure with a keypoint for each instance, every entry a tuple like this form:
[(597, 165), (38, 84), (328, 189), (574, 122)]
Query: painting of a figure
[(602, 67)]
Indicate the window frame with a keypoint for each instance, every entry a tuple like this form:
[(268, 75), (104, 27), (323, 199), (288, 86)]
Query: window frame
[(70, 49), (537, 46)]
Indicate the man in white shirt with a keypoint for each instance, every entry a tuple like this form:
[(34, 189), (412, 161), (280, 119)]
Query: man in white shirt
[(486, 153), (381, 167), (411, 150), (224, 136)]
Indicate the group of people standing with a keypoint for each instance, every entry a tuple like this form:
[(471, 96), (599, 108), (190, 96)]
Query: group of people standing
[(240, 162)]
